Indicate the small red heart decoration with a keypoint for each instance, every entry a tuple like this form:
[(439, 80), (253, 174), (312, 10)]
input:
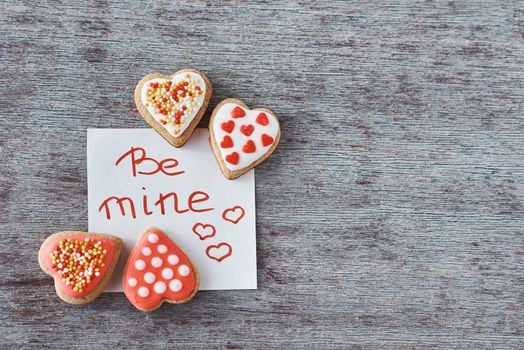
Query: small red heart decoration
[(233, 158), (204, 231), (249, 147), (266, 140), (238, 112), (227, 142), (262, 119), (228, 126), (219, 252), (234, 214), (247, 129)]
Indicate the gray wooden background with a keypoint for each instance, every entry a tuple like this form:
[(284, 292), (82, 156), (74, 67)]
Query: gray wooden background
[(390, 217)]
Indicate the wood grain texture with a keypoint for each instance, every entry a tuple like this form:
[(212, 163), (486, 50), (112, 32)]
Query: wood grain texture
[(390, 217)]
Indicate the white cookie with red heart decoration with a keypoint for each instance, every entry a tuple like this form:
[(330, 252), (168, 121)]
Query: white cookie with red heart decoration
[(173, 104), (242, 138)]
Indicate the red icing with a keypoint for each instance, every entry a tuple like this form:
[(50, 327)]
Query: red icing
[(107, 244), (249, 147), (233, 158), (234, 214), (238, 112), (204, 231), (227, 142), (266, 140), (262, 119), (216, 253), (154, 299), (247, 129), (228, 126)]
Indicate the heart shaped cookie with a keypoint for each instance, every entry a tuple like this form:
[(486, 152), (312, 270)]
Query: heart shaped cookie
[(81, 263), (242, 138), (158, 271), (173, 104)]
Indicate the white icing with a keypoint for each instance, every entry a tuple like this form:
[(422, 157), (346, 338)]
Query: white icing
[(183, 270), (167, 273), (156, 262), (140, 264), (162, 249), (175, 285), (132, 282), (143, 292), (173, 259), (149, 277), (239, 139), (160, 287), (146, 251), (187, 118), (152, 238)]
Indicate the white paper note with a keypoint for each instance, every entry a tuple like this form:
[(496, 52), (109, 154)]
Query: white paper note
[(214, 221)]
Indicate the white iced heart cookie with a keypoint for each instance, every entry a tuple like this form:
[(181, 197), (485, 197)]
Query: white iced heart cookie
[(242, 138), (173, 104)]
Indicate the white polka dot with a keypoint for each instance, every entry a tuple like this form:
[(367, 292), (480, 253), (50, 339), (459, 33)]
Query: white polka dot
[(140, 264), (156, 262), (173, 259), (175, 285), (143, 292), (146, 251), (149, 277), (167, 273), (152, 238), (162, 249), (160, 287), (183, 270), (132, 282)]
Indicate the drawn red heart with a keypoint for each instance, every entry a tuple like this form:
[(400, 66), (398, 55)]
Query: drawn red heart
[(227, 142), (233, 158), (249, 147), (219, 252), (228, 126), (238, 112), (234, 214), (204, 231), (262, 119), (247, 129), (266, 140)]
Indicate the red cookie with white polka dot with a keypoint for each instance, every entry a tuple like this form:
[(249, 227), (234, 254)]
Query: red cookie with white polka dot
[(242, 138), (81, 263), (158, 271)]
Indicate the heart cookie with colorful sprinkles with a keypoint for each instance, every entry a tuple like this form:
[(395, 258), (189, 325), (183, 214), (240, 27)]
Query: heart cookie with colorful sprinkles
[(242, 138), (81, 263), (173, 104)]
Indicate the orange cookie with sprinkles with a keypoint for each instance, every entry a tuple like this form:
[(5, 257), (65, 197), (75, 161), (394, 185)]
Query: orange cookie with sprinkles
[(158, 271), (173, 104), (81, 263)]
